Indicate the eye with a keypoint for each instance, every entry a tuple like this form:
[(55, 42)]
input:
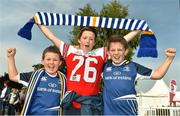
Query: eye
[(55, 59), (112, 50), (92, 39), (48, 59)]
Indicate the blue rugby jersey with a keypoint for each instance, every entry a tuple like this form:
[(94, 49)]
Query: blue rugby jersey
[(119, 93), (46, 96)]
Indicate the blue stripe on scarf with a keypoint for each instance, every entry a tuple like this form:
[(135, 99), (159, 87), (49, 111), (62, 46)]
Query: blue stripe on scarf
[(64, 21), (82, 20), (70, 19), (125, 22), (46, 18), (130, 25), (142, 25), (58, 19), (137, 24), (106, 22), (52, 17), (100, 22), (118, 24), (112, 23), (41, 18), (88, 20), (76, 18)]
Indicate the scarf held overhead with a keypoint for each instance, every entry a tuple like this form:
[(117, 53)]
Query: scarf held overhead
[(148, 41)]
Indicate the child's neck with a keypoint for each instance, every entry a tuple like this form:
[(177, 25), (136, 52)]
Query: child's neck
[(52, 75), (119, 63)]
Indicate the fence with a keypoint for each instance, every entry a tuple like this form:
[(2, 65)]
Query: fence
[(159, 111)]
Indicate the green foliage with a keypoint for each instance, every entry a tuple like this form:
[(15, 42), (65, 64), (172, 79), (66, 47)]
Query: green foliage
[(37, 66), (113, 9)]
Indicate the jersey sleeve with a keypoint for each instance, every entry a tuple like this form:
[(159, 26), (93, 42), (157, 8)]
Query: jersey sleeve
[(24, 78), (66, 49), (102, 52), (143, 72)]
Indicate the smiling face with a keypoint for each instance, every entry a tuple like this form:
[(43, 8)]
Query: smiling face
[(117, 48), (51, 59), (51, 62), (87, 41), (117, 52)]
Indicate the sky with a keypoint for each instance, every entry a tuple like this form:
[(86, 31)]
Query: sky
[(163, 17)]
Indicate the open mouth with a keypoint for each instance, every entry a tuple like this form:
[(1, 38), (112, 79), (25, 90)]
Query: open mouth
[(87, 46), (116, 57), (51, 67)]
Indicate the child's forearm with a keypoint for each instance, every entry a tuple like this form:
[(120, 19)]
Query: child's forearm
[(162, 69), (49, 35), (12, 70), (131, 35)]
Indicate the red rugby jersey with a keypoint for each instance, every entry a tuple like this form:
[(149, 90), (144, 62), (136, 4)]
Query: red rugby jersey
[(83, 69)]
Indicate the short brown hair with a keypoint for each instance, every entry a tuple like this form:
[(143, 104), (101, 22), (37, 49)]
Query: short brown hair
[(92, 29), (52, 49), (117, 38)]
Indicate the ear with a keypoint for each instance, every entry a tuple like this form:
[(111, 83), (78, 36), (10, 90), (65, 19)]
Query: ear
[(42, 62), (60, 62), (109, 57), (126, 51), (79, 41)]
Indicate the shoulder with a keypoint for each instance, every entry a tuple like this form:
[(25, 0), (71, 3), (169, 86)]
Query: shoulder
[(62, 74)]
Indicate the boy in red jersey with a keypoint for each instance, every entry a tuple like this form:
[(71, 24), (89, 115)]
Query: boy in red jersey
[(84, 67)]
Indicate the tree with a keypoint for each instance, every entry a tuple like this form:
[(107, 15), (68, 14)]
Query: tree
[(112, 9)]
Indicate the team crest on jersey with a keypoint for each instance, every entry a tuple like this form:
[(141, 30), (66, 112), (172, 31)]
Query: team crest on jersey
[(108, 69), (44, 78), (75, 78), (126, 68)]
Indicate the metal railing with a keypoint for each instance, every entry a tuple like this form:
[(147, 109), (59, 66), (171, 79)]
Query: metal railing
[(159, 111)]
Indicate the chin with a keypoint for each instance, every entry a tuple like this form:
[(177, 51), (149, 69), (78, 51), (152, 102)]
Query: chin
[(117, 62), (51, 72)]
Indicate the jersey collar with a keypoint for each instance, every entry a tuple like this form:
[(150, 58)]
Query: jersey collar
[(123, 62)]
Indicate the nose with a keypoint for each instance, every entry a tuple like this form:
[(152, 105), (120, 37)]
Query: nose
[(51, 61), (116, 52), (87, 39)]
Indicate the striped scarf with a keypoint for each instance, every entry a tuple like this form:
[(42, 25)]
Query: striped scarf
[(147, 41), (32, 86)]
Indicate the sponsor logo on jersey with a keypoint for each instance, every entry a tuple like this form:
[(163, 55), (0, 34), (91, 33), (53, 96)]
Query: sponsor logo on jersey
[(53, 85), (44, 79), (116, 73)]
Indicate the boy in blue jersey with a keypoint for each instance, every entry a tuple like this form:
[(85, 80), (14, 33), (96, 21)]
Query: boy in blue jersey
[(46, 86), (120, 76)]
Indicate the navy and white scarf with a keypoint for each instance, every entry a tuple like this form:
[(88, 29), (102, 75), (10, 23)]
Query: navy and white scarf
[(147, 41)]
